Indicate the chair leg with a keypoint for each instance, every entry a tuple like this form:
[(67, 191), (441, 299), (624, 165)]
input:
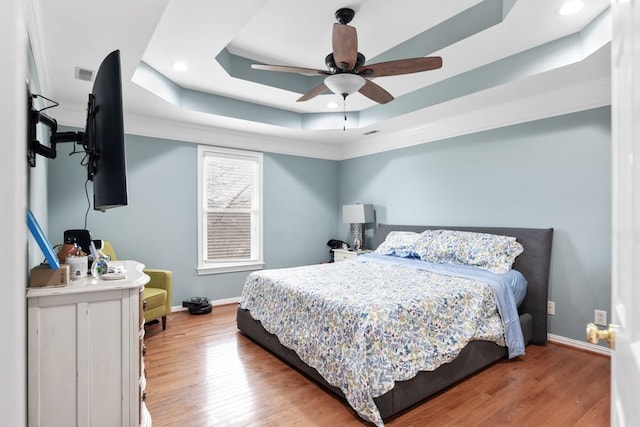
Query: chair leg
[(164, 322)]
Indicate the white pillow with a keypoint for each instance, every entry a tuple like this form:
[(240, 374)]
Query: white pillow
[(399, 243), (490, 252)]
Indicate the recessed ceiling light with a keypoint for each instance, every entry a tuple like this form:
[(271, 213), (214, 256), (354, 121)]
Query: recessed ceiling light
[(180, 66), (570, 7), (332, 105)]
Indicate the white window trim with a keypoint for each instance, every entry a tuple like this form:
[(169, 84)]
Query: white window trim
[(227, 267)]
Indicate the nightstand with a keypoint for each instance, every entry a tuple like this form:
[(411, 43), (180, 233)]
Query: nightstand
[(345, 254)]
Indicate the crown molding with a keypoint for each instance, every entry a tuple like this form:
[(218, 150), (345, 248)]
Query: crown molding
[(471, 114), (135, 124), (37, 36), (463, 116)]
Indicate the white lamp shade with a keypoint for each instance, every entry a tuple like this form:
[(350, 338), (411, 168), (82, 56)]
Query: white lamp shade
[(344, 83), (357, 214)]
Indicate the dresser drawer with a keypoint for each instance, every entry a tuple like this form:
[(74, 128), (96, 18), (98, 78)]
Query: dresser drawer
[(344, 255)]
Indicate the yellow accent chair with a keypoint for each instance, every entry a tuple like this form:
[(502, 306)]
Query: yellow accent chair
[(156, 293)]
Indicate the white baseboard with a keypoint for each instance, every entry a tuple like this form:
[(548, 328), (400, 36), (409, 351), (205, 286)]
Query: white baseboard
[(226, 301), (579, 344), (214, 303)]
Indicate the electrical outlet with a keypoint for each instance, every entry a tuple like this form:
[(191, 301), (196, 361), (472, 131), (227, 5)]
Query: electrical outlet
[(551, 308), (600, 318)]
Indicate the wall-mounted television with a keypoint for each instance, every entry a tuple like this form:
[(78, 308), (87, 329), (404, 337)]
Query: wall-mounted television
[(102, 139)]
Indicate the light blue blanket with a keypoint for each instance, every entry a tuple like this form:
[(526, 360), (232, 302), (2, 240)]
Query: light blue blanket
[(509, 288)]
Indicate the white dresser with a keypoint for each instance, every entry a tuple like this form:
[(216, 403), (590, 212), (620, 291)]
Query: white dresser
[(85, 345)]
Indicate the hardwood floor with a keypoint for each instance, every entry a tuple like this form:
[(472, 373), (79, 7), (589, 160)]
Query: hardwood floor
[(202, 372)]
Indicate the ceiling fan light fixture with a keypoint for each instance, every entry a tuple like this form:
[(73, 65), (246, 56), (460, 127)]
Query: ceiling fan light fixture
[(344, 83)]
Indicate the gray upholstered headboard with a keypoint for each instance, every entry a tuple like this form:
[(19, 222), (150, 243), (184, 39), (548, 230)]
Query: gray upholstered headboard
[(533, 263)]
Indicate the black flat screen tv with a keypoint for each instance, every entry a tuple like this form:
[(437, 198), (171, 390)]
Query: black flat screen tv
[(102, 140), (105, 137)]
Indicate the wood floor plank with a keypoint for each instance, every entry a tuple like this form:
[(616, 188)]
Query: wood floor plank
[(202, 372)]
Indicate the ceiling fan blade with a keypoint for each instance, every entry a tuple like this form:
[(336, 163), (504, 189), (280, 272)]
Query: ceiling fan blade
[(345, 46), (287, 69), (318, 90), (402, 66), (375, 92)]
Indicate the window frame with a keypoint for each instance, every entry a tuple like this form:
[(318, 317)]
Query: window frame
[(204, 267)]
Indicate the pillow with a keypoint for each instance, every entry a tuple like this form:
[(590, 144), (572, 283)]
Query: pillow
[(399, 243), (490, 252), (424, 240)]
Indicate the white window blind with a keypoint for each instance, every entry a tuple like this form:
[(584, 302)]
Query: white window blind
[(230, 206)]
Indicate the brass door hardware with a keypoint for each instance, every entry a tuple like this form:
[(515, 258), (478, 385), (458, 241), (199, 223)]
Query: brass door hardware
[(594, 334)]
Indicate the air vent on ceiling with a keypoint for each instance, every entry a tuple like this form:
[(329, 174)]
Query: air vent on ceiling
[(371, 132), (84, 74)]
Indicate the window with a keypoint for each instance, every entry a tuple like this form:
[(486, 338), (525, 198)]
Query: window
[(229, 210)]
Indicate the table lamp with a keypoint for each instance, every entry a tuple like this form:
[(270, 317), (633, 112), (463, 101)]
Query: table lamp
[(357, 215)]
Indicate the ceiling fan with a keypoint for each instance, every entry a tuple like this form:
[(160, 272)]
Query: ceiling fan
[(346, 72)]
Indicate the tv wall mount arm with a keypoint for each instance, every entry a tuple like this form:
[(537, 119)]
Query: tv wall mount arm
[(34, 146)]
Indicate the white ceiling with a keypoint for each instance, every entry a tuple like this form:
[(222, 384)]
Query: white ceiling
[(562, 77)]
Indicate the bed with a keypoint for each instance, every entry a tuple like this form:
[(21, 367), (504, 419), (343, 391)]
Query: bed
[(473, 353)]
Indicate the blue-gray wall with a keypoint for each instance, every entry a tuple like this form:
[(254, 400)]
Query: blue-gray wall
[(549, 173), (158, 227)]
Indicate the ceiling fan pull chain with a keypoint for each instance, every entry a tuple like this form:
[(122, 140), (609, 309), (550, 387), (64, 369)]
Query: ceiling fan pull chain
[(344, 111)]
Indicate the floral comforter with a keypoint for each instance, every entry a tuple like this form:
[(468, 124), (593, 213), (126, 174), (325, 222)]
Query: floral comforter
[(363, 325)]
